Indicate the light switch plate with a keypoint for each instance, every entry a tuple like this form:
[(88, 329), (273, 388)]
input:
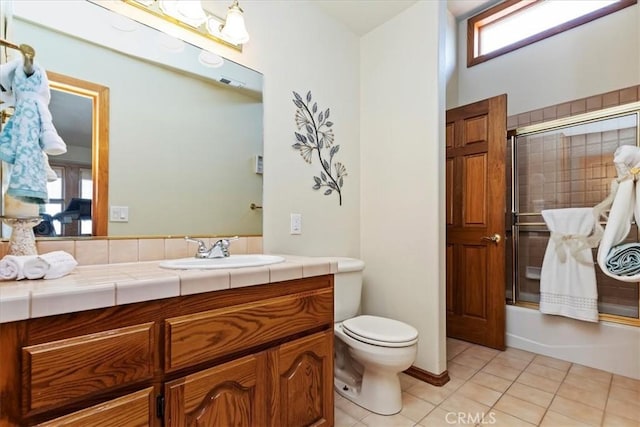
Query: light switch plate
[(119, 214), (296, 223)]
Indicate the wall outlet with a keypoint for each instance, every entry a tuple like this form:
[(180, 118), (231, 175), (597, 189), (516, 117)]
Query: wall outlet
[(119, 214), (296, 223)]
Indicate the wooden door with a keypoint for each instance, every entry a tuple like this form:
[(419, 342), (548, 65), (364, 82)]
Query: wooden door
[(231, 394), (475, 202), (304, 387)]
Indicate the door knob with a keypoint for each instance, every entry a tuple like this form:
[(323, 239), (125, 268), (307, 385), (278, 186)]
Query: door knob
[(495, 238)]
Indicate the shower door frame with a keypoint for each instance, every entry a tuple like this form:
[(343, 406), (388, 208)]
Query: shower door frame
[(512, 135)]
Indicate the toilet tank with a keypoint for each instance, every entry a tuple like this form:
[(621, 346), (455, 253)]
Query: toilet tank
[(347, 288)]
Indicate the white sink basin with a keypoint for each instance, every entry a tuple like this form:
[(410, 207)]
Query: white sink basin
[(233, 261)]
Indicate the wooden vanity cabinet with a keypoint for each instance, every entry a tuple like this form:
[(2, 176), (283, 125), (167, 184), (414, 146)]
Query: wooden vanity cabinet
[(254, 356)]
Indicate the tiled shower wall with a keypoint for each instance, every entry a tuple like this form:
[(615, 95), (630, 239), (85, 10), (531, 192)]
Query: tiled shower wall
[(569, 171)]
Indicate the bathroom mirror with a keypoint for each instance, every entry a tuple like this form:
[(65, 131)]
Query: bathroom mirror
[(184, 138)]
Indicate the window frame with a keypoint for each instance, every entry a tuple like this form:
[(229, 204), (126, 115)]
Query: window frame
[(509, 7)]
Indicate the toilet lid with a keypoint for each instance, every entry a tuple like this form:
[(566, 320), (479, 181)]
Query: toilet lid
[(380, 331)]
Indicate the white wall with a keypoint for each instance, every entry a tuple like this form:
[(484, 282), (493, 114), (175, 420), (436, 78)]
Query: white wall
[(299, 48), (402, 156), (597, 57)]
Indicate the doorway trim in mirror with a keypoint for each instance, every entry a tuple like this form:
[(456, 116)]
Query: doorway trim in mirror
[(99, 96)]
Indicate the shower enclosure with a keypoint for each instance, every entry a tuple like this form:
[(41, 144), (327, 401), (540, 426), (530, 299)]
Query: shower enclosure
[(560, 164)]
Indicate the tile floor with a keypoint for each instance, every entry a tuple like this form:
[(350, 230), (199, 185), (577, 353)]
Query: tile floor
[(511, 388)]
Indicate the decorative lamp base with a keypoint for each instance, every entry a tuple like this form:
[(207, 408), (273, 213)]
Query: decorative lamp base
[(23, 241)]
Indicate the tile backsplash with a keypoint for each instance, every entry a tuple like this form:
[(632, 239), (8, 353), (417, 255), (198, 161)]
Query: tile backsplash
[(110, 251)]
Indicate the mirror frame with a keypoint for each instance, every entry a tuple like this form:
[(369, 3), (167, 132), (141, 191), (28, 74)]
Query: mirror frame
[(99, 96)]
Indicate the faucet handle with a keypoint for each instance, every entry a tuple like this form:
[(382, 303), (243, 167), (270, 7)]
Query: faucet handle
[(202, 248)]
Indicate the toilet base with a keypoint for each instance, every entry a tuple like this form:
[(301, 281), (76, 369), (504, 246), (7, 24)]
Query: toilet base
[(387, 402)]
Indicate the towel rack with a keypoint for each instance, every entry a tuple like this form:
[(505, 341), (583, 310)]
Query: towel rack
[(28, 53)]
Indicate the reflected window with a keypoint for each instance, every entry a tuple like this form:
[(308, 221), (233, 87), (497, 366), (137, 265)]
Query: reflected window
[(55, 190), (86, 192)]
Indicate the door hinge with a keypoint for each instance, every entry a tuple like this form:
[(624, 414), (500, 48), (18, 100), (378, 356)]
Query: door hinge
[(160, 406)]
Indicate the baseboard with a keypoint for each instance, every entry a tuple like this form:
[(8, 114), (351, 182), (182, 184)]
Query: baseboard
[(437, 380)]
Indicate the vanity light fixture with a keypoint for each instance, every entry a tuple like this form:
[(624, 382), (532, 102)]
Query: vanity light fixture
[(233, 27), (190, 15)]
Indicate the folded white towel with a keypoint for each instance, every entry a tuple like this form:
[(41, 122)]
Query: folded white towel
[(51, 265), (12, 266), (35, 268), (60, 264)]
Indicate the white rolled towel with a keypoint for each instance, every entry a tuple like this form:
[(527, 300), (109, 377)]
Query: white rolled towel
[(60, 263), (51, 265), (35, 268), (12, 267)]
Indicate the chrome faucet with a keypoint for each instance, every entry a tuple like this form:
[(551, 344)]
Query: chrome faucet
[(219, 249)]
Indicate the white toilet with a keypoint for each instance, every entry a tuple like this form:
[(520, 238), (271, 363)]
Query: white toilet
[(370, 351)]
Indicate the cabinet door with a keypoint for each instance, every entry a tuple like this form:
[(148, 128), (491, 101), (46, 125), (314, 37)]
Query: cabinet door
[(133, 410), (231, 394), (305, 386)]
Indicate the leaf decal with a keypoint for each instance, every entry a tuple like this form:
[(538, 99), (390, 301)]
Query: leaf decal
[(301, 138), (317, 139)]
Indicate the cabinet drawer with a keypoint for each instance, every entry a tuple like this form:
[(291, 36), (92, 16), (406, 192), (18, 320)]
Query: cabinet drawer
[(201, 337), (133, 410), (58, 372)]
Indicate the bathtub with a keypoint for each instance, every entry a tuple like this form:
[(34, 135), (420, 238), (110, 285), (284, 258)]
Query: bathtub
[(608, 346)]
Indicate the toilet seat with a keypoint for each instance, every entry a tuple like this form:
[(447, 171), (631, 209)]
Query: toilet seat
[(380, 331)]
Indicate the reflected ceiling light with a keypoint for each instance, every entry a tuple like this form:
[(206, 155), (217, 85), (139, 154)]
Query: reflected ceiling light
[(170, 44), (189, 14), (210, 59)]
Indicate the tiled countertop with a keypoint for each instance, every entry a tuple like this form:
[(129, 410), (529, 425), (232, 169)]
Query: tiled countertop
[(98, 286)]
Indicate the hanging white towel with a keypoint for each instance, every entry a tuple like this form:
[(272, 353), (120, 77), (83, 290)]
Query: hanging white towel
[(568, 278), (625, 204)]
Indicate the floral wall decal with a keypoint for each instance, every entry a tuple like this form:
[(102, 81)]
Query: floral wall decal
[(316, 139)]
